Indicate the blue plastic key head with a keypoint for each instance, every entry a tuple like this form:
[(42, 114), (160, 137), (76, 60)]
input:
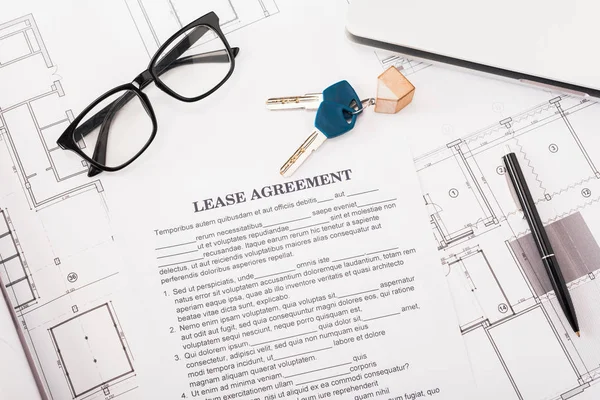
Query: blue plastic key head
[(343, 93), (334, 119)]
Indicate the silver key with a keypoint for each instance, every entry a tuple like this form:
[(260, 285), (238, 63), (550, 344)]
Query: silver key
[(309, 101), (312, 143), (332, 120), (339, 92), (337, 108)]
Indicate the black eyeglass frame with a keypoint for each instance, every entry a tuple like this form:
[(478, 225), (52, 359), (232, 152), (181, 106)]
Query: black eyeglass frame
[(67, 140)]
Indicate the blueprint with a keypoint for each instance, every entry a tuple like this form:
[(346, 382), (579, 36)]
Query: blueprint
[(520, 344), (62, 266), (59, 262), (60, 281)]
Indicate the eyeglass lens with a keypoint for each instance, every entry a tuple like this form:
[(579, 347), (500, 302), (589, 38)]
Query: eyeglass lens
[(115, 130), (194, 63)]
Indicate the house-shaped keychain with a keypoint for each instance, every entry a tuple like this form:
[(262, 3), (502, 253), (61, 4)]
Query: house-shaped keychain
[(394, 91)]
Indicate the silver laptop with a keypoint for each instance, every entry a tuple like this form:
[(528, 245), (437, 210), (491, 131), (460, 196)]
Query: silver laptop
[(549, 43)]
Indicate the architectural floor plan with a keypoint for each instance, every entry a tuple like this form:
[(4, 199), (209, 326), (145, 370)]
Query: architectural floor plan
[(403, 64), (15, 272), (61, 266), (507, 311), (157, 20), (63, 278), (32, 119), (92, 341)]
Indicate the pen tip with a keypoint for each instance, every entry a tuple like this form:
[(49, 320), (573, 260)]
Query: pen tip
[(577, 333), (507, 149)]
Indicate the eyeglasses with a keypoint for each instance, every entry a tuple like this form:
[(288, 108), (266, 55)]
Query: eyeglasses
[(120, 125)]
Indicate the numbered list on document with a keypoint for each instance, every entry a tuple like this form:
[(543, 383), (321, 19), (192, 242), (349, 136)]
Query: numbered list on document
[(300, 290)]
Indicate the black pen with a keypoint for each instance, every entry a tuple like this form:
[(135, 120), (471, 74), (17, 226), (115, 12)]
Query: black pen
[(540, 238)]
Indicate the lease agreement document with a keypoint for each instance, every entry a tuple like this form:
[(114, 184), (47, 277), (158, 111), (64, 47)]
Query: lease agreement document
[(198, 271), (322, 285)]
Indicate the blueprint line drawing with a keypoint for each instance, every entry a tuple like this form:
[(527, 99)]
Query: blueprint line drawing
[(157, 20), (68, 282), (450, 226), (25, 31), (32, 119), (92, 341), (484, 300), (498, 284), (556, 102), (407, 66), (14, 273)]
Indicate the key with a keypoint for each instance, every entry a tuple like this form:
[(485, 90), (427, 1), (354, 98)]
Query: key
[(309, 101), (332, 120), (341, 92)]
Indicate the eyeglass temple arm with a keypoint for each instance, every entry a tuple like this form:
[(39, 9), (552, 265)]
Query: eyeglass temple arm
[(181, 47), (217, 56), (103, 119), (102, 142)]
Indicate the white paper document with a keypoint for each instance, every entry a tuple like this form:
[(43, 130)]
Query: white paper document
[(323, 285), (519, 342), (109, 309)]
